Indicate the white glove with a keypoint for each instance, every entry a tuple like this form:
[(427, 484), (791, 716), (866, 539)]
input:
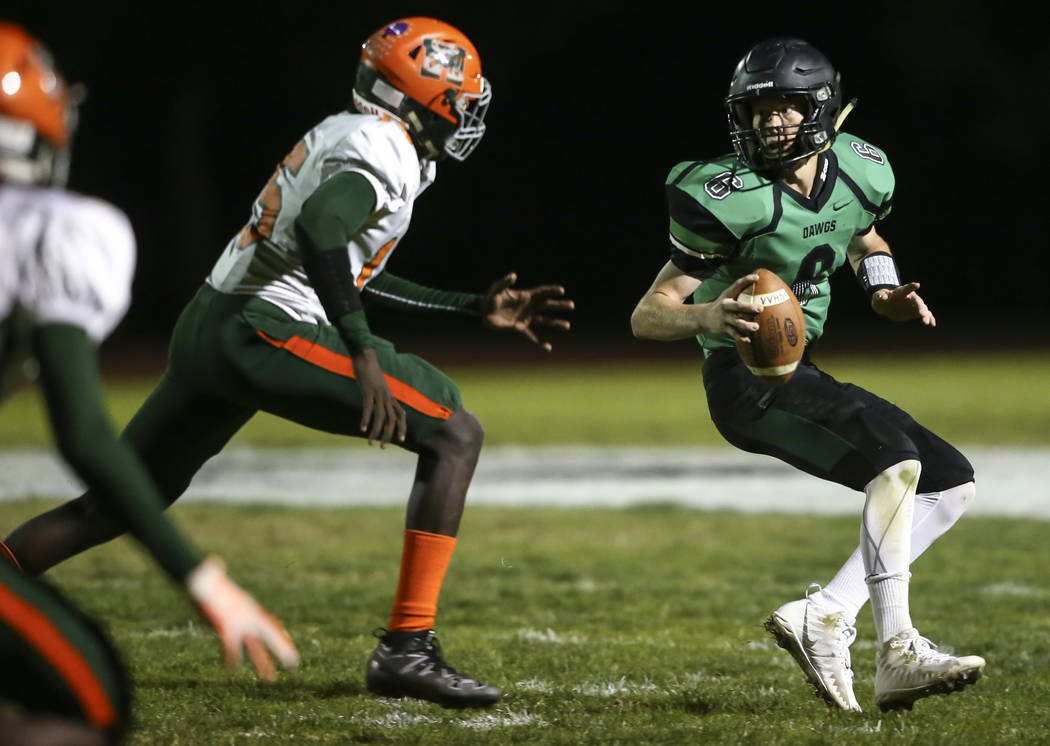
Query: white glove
[(239, 620)]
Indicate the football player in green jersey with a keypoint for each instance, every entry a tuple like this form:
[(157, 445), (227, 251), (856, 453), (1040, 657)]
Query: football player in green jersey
[(801, 198)]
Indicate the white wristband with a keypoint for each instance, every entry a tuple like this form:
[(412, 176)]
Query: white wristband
[(878, 271)]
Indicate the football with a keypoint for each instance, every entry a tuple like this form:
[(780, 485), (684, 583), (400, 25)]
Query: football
[(777, 346)]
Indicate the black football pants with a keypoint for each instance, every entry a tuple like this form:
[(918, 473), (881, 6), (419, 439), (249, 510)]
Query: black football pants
[(836, 431)]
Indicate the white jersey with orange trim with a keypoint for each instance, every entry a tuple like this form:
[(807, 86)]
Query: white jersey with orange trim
[(64, 259), (264, 259)]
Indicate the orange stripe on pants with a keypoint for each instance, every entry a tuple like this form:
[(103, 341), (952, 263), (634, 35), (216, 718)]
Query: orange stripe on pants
[(342, 365), (45, 637)]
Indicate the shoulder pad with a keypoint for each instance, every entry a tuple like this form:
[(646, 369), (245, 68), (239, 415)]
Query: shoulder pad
[(379, 149), (738, 197), (86, 259), (867, 166)]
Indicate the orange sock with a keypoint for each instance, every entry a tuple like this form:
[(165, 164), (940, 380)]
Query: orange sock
[(423, 563), (7, 554)]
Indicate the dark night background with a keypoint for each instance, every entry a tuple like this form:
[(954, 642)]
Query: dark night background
[(188, 112)]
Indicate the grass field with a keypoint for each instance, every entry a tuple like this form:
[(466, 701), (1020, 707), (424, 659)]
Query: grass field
[(636, 626), (992, 398)]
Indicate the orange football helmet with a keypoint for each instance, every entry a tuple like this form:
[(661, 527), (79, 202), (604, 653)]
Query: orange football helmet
[(427, 74), (37, 112)]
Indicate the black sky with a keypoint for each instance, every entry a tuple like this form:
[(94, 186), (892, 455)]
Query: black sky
[(188, 112)]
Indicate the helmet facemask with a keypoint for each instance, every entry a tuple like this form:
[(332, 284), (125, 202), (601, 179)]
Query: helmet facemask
[(33, 162), (470, 110), (812, 135)]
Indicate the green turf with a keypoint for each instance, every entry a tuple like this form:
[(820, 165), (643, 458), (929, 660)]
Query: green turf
[(638, 626), (985, 398)]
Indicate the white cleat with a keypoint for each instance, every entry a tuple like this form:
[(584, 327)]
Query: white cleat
[(818, 638), (909, 667)]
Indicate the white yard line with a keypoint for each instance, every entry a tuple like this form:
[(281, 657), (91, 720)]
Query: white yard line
[(1010, 481)]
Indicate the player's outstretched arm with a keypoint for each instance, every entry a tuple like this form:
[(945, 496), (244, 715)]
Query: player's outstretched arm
[(876, 270), (662, 314), (903, 304), (505, 307), (241, 623)]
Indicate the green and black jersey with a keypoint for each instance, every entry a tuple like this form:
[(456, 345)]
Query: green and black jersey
[(726, 221)]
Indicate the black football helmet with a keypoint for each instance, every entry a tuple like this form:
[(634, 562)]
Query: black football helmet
[(783, 67)]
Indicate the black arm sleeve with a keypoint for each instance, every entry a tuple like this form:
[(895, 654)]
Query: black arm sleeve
[(87, 441), (329, 217)]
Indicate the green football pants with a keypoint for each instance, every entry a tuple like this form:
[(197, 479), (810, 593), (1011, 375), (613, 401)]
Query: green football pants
[(55, 660), (231, 356)]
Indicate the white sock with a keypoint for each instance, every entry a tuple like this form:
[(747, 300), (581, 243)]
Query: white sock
[(885, 544), (933, 515), (889, 604)]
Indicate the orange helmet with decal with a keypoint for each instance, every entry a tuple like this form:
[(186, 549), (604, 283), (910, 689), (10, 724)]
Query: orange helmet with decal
[(37, 114), (428, 75)]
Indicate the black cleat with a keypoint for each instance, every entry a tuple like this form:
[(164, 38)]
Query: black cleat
[(409, 664)]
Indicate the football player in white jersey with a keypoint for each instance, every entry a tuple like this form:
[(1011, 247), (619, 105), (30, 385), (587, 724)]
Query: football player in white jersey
[(66, 264), (279, 326)]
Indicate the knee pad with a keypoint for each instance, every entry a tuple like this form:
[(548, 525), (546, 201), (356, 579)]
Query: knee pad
[(958, 499), (886, 523), (892, 482)]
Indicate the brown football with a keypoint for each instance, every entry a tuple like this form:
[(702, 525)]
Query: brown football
[(778, 344)]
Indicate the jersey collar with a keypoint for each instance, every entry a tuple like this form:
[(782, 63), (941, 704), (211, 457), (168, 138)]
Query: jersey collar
[(823, 185)]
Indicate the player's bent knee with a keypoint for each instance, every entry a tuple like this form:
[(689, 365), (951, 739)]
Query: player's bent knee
[(960, 498), (901, 475), (461, 434), (469, 432)]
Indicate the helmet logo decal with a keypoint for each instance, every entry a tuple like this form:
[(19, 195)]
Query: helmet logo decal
[(442, 59), (720, 187), (395, 29), (868, 152)]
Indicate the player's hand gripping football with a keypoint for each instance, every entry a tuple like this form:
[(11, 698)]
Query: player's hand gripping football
[(241, 623), (727, 315), (902, 304), (506, 307), (381, 414)]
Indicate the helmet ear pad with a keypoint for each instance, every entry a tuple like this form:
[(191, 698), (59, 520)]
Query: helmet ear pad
[(374, 94), (429, 131)]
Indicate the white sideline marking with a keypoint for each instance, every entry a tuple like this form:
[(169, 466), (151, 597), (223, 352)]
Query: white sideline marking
[(508, 719), (1010, 481), (1012, 589), (616, 688), (549, 635), (534, 685), (397, 720)]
